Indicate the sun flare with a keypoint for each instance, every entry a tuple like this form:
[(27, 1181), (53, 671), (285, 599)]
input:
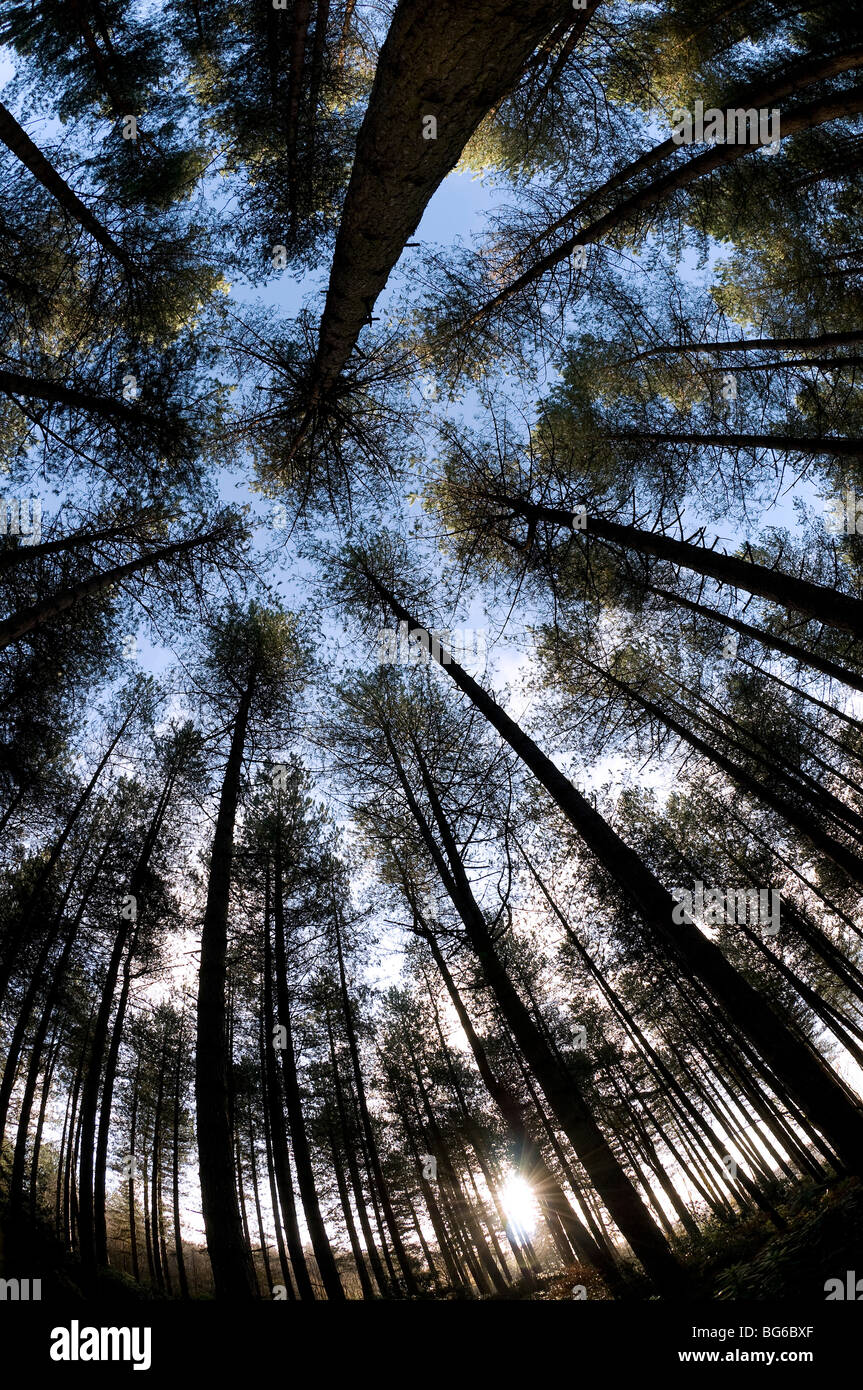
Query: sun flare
[(520, 1205)]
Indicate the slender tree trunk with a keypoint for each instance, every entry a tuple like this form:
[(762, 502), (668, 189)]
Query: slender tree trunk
[(94, 1241), (15, 1045), (773, 642), (40, 1122), (350, 1226), (277, 1123), (296, 1120), (372, 1149), (253, 1167), (61, 1160), (16, 932), (373, 1197), (11, 559), (45, 389), (761, 93), (447, 1173), (19, 624), (274, 1196), (302, 13), (156, 1173), (230, 1256), (815, 341), (55, 988), (806, 824), (528, 1156), (816, 601), (148, 1232), (354, 1172), (675, 1092), (808, 117), (18, 142), (814, 445), (175, 1174)]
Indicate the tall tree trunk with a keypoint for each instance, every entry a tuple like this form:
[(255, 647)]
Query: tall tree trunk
[(396, 170), (837, 106), (45, 389), (19, 624), (815, 341), (230, 1256), (802, 821), (271, 1175), (296, 1120), (16, 932), (365, 1117), (354, 1172), (813, 445), (64, 1158), (53, 1055), (302, 13), (253, 1168), (277, 1121), (773, 642), (15, 1045), (350, 1225), (818, 601), (22, 554), (55, 989), (761, 93), (21, 146), (156, 1172), (526, 1150), (105, 1108), (93, 1081)]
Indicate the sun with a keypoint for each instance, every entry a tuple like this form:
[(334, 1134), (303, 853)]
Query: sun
[(520, 1205)]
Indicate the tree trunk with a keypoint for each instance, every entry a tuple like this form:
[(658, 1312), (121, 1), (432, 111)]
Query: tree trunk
[(11, 559), (444, 60), (805, 657), (818, 340), (371, 1145), (527, 1153), (90, 1242), (277, 1122), (230, 1257), (758, 94), (271, 1169), (175, 1174), (21, 146), (599, 1160), (44, 389), (354, 1172), (16, 932), (816, 601), (350, 1225), (835, 107), (296, 1120), (19, 624), (801, 820), (815, 446)]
